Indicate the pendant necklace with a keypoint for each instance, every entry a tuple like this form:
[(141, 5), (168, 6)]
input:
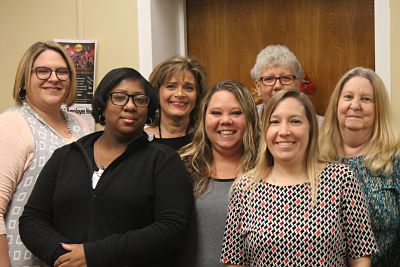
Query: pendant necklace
[(159, 131), (97, 174), (159, 127), (69, 130)]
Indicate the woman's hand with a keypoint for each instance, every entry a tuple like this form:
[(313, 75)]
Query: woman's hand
[(74, 258), (4, 260)]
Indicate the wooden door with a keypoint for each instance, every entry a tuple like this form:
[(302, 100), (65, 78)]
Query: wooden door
[(328, 37)]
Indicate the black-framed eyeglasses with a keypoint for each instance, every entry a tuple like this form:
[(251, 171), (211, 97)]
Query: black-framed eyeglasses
[(271, 80), (121, 99), (44, 73)]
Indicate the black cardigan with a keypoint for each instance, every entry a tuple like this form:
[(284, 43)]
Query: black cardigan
[(136, 216)]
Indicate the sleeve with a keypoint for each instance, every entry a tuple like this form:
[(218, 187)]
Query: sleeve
[(17, 146), (172, 211), (356, 220), (36, 222), (233, 243)]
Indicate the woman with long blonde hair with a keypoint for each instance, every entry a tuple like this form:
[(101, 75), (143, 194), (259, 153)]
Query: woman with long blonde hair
[(224, 146), (359, 130), (294, 209)]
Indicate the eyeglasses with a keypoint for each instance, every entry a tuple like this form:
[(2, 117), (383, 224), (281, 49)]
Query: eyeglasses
[(271, 80), (121, 99), (44, 73)]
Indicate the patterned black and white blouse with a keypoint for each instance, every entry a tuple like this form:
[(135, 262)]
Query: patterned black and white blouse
[(271, 225)]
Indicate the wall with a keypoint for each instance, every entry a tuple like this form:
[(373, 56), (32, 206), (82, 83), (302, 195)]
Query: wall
[(162, 32), (395, 57), (112, 24)]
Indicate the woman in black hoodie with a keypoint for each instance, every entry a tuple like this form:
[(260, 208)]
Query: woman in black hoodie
[(112, 198)]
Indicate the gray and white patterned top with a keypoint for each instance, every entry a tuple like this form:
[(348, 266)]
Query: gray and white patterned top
[(46, 141)]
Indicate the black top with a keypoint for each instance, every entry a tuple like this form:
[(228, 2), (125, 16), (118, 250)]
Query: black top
[(176, 142), (135, 216)]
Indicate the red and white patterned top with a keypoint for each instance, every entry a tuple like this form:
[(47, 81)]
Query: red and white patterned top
[(271, 225)]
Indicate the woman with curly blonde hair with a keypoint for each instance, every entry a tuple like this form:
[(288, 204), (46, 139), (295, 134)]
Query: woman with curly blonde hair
[(224, 146), (359, 130)]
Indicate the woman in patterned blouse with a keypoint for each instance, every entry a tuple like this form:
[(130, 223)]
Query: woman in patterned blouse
[(360, 131), (45, 84), (293, 209)]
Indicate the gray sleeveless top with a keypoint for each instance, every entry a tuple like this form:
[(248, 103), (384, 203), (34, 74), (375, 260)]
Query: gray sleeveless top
[(46, 141)]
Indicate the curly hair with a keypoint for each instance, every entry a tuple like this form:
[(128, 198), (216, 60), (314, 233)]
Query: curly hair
[(198, 154), (274, 56)]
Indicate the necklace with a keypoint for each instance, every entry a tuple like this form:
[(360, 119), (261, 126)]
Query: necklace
[(159, 127), (102, 167), (69, 130), (97, 174), (159, 130)]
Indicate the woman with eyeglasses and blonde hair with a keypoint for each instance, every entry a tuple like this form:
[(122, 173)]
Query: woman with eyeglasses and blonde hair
[(112, 198), (30, 132)]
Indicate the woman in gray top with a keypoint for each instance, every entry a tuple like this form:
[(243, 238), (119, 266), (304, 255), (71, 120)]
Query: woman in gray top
[(224, 146)]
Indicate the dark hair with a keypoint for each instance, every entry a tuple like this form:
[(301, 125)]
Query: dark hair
[(112, 79)]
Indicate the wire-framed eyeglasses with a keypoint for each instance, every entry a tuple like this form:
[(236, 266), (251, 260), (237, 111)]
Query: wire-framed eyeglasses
[(44, 73), (121, 99), (271, 80)]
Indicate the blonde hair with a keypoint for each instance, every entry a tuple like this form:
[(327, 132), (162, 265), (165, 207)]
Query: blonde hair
[(24, 70), (198, 155), (265, 160), (385, 140)]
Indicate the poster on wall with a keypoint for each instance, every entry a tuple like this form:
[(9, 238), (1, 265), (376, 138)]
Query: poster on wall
[(83, 54)]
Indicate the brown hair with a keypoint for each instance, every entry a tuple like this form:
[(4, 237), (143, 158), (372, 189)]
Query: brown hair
[(173, 66)]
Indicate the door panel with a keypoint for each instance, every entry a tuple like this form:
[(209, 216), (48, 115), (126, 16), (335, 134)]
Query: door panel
[(328, 37)]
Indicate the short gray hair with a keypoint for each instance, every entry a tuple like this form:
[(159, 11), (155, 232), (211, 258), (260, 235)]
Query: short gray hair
[(276, 56)]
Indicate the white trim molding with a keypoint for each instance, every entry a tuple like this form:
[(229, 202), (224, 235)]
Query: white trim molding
[(145, 43), (382, 42)]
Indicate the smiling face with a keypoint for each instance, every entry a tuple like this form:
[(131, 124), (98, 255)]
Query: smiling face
[(125, 121), (288, 132), (267, 91), (225, 122), (178, 95), (356, 105), (50, 93)]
